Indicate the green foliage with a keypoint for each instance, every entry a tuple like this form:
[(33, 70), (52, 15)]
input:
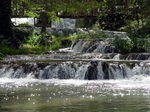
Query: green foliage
[(53, 16), (34, 39), (73, 37), (5, 50), (140, 39), (90, 35), (61, 42), (32, 14), (24, 49), (123, 45), (143, 45), (112, 20), (55, 45), (112, 15), (114, 12), (66, 41), (24, 25), (21, 7)]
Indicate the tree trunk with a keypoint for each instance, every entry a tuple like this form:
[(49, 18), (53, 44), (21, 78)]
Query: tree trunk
[(44, 21), (5, 23), (5, 20)]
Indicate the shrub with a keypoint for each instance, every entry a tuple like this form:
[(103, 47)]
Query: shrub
[(140, 39), (34, 39), (143, 45), (55, 45), (60, 42), (123, 45)]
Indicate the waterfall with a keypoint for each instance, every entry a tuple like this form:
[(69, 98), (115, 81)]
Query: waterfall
[(64, 23), (28, 21), (60, 24), (96, 46), (73, 70), (77, 62)]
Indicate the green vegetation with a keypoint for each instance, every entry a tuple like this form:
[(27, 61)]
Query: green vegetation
[(34, 39), (24, 49), (60, 42), (131, 45), (36, 43), (123, 45), (110, 14), (139, 41), (131, 16)]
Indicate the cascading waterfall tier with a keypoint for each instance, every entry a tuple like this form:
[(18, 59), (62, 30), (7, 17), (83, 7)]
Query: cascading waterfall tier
[(96, 46), (86, 59), (77, 69)]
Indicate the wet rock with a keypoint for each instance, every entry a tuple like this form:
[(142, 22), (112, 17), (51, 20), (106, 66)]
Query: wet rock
[(91, 73), (105, 68), (137, 56)]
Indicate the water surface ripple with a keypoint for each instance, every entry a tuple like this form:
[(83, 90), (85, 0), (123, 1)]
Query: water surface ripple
[(54, 95)]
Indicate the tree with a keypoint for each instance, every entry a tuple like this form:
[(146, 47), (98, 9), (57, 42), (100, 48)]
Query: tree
[(5, 20), (20, 8), (6, 31)]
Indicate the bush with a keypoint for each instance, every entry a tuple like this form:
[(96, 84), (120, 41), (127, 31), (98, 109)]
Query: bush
[(123, 45), (55, 45), (61, 42), (34, 39), (140, 39), (143, 45), (112, 20)]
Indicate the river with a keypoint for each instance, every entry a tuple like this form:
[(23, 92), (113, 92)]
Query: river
[(56, 82), (55, 95)]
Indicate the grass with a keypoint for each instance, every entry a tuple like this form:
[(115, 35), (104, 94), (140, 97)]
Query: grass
[(24, 49)]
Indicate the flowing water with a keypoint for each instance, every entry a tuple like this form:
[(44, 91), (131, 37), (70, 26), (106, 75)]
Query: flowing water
[(54, 95), (56, 82), (59, 86)]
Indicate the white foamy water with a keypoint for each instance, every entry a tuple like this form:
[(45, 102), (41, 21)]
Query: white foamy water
[(53, 95), (135, 82), (61, 24), (29, 21)]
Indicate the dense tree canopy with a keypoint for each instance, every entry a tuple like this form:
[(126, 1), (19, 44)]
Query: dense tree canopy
[(107, 11), (111, 14)]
